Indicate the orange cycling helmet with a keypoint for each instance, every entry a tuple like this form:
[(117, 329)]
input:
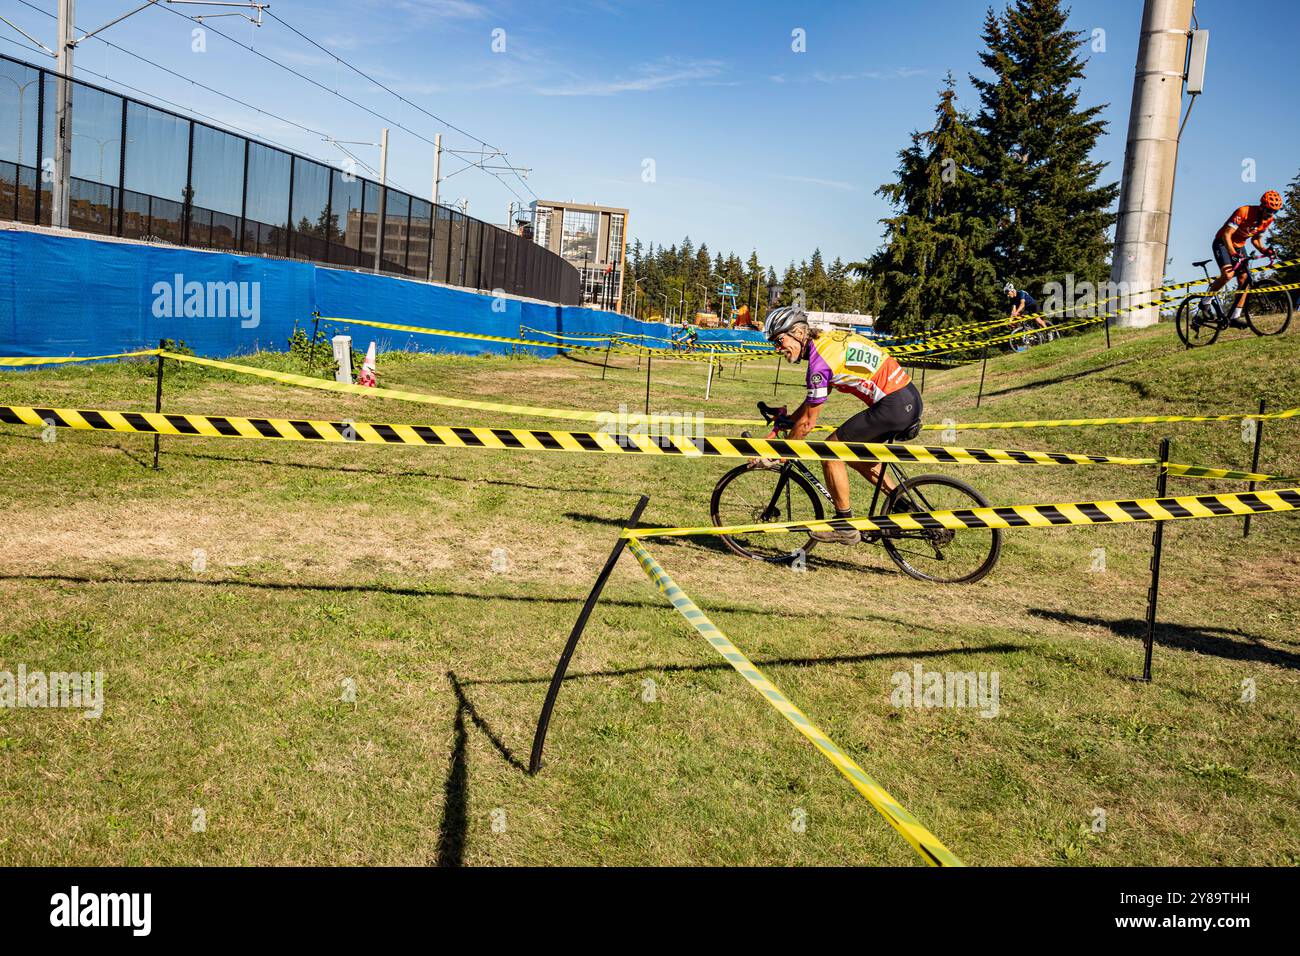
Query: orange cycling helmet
[(1271, 200)]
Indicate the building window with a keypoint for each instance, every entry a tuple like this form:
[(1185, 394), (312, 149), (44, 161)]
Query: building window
[(578, 236), (542, 226), (615, 251)]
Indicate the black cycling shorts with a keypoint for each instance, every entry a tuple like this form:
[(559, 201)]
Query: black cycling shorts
[(1222, 256), (892, 415)]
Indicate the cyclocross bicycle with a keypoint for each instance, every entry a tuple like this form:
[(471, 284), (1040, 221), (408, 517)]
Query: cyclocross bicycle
[(1266, 312), (1029, 334), (787, 490)]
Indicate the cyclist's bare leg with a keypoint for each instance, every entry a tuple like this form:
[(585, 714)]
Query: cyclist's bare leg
[(1226, 274)]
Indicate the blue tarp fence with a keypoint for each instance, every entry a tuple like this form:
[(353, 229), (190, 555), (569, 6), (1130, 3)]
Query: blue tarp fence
[(66, 295)]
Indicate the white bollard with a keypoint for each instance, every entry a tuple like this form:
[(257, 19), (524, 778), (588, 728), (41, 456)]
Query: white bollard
[(343, 355)]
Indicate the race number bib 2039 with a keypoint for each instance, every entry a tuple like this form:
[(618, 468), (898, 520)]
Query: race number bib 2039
[(865, 357)]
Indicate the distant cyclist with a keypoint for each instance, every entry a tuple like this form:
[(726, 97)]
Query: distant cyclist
[(1021, 302), (1246, 223), (849, 363)]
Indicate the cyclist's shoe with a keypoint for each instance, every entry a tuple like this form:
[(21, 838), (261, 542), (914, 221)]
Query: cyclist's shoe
[(1239, 322), (851, 536)]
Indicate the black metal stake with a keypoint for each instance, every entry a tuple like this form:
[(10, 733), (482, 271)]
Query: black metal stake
[(980, 397), (1157, 547), (922, 379), (1107, 331), (157, 403), (311, 351), (777, 381), (557, 679), (1254, 462), (608, 345), (647, 383)]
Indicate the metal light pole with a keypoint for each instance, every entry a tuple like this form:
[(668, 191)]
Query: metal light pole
[(635, 284), (382, 220), (65, 45), (437, 170)]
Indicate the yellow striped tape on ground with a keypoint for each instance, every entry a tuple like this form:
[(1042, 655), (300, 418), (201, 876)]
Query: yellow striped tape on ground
[(601, 442), (1130, 420), (1119, 511), (922, 840), (62, 359)]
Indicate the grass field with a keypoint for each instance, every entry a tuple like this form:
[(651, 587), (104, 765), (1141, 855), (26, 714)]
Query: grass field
[(233, 597)]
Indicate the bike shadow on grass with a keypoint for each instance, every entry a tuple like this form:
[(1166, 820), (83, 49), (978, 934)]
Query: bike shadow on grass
[(1224, 642)]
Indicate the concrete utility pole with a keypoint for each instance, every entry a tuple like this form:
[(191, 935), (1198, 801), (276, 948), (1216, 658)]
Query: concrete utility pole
[(1151, 155)]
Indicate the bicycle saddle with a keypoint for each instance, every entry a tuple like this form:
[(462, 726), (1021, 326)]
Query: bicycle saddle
[(1201, 263)]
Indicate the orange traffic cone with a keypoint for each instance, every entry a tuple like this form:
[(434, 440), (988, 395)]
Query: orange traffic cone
[(367, 374)]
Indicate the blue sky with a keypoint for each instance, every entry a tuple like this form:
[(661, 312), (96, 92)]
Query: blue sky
[(753, 144)]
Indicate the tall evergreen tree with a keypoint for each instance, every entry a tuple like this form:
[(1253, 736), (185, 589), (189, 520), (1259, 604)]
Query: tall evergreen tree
[(1041, 187), (1286, 233), (932, 271)]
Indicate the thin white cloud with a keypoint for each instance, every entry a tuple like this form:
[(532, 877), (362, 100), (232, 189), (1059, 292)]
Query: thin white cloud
[(814, 181), (643, 79), (441, 9), (821, 76)]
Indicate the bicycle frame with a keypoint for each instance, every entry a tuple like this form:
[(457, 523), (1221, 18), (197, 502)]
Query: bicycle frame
[(900, 476)]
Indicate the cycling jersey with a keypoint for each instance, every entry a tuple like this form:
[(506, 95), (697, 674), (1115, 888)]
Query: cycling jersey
[(1248, 222), (851, 363), (1023, 296)]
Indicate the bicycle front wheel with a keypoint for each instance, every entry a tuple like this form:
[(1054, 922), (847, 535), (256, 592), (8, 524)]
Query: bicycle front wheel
[(942, 555), (1194, 327), (747, 495), (1267, 310)]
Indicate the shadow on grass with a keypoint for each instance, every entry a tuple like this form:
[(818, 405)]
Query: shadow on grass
[(455, 806), (1227, 643), (573, 600), (765, 662), (1043, 383)]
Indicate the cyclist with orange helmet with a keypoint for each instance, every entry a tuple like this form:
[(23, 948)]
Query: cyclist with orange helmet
[(1248, 223)]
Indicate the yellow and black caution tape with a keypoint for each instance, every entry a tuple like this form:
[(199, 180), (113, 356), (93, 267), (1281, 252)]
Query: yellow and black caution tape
[(943, 334), (633, 418), (913, 831), (530, 439), (1120, 511), (700, 354), (349, 388), (63, 359)]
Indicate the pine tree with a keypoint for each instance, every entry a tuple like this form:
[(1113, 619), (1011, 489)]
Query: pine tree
[(1286, 234), (1040, 186), (932, 271)]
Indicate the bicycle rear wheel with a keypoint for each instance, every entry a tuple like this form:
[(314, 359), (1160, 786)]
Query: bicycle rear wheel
[(939, 554), (745, 495), (1267, 310), (1195, 328)]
